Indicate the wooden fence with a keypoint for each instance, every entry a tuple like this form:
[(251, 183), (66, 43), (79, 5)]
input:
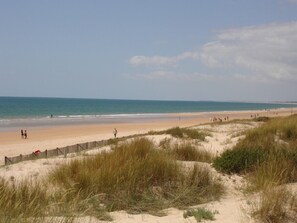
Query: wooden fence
[(56, 152)]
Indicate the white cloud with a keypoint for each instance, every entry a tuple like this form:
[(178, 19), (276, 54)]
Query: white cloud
[(258, 53), (175, 76), (161, 60), (151, 61), (263, 52)]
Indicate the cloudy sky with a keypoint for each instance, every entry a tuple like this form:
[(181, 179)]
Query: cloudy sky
[(222, 50)]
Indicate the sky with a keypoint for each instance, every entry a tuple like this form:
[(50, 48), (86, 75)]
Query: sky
[(220, 50)]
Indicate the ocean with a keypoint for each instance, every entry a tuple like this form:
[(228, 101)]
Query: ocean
[(24, 111)]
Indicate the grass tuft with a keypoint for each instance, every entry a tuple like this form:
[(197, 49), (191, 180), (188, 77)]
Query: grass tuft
[(22, 200), (275, 205), (200, 214), (178, 132), (136, 177), (187, 152)]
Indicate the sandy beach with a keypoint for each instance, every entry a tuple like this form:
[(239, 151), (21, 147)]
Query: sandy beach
[(231, 208), (50, 137)]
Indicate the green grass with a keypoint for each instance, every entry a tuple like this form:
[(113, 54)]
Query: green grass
[(188, 152), (138, 178), (186, 133), (262, 119), (200, 214), (268, 158), (238, 160), (259, 144)]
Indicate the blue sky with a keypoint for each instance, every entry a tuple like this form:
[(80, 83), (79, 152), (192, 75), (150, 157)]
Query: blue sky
[(155, 49)]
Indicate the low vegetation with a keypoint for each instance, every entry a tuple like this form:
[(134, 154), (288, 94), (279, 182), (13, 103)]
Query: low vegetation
[(186, 133), (200, 214), (188, 152), (274, 141), (137, 177), (268, 158), (21, 200), (29, 201), (238, 160), (277, 205)]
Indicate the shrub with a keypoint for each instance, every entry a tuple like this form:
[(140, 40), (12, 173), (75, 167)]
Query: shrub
[(262, 119), (258, 144), (238, 160), (175, 132), (183, 133), (200, 214)]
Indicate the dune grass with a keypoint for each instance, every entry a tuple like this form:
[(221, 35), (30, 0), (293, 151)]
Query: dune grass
[(183, 133), (278, 168), (268, 158), (277, 205), (30, 201), (20, 201), (275, 137), (188, 152), (136, 177)]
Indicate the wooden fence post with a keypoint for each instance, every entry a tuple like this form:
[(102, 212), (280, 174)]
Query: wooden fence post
[(6, 161)]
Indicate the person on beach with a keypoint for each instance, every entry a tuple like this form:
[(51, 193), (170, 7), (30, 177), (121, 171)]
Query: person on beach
[(22, 133), (25, 134), (115, 132)]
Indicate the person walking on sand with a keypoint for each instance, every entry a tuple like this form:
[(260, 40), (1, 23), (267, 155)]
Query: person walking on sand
[(25, 134), (22, 133), (115, 132)]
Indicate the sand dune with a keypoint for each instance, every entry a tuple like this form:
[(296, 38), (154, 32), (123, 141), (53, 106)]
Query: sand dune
[(231, 208)]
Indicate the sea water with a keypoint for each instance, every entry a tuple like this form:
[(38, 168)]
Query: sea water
[(33, 111)]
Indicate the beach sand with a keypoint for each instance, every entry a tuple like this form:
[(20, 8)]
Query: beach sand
[(42, 138), (232, 207)]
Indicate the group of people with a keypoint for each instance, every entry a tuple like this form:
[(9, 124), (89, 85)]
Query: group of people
[(24, 134), (215, 119)]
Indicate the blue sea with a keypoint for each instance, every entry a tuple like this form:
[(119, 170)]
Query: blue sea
[(33, 111)]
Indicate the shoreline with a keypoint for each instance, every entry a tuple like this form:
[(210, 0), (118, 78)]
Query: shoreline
[(14, 124), (51, 137)]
